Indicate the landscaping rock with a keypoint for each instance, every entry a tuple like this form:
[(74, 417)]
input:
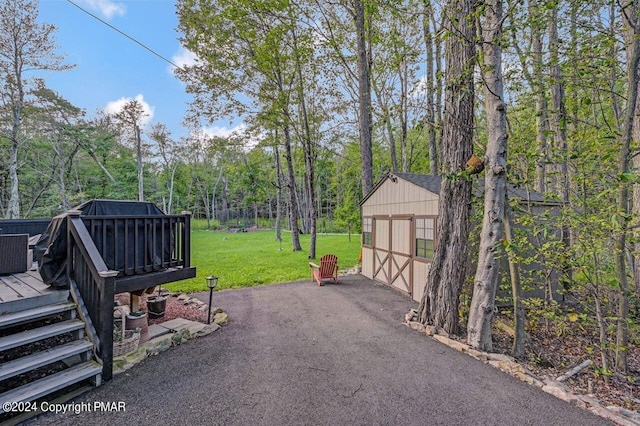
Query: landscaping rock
[(221, 318), (136, 356), (207, 329), (500, 357), (525, 377), (412, 315), (159, 344), (482, 356), (441, 332), (416, 326), (183, 296), (454, 344), (508, 366), (119, 364), (180, 337), (430, 330), (176, 324), (216, 310), (559, 391)]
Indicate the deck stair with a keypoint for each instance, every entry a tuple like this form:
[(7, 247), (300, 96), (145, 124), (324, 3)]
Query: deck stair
[(46, 338)]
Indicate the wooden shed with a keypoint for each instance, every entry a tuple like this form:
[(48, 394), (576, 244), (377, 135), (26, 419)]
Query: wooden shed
[(399, 229)]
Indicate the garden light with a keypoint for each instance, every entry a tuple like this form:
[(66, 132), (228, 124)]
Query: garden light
[(212, 282)]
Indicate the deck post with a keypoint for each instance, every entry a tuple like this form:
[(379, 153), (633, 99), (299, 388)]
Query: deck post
[(186, 238), (105, 332)]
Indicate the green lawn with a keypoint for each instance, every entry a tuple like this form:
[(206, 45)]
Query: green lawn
[(254, 258)]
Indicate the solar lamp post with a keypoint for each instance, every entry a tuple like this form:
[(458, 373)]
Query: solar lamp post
[(212, 282)]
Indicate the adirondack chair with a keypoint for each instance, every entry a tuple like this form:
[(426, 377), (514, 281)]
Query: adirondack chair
[(328, 269)]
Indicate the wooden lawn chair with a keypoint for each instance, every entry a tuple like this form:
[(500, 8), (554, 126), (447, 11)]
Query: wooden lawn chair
[(328, 269)]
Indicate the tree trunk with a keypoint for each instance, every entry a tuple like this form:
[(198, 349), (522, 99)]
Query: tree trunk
[(537, 81), (404, 115), (633, 55), (307, 147), (364, 97), (278, 193), (636, 166), (138, 137), (293, 202), (439, 305), (495, 191), (13, 206), (516, 288), (430, 117), (558, 117)]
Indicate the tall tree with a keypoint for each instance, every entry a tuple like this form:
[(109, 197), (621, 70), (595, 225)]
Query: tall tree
[(364, 95), (26, 46), (168, 151), (439, 304), (495, 187), (246, 46), (131, 118), (305, 134), (431, 77), (630, 12)]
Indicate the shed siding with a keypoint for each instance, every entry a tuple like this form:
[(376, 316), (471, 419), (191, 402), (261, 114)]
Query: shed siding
[(400, 198), (391, 205), (390, 200), (367, 262), (420, 271)]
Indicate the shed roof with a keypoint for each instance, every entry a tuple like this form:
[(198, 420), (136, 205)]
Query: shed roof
[(433, 184)]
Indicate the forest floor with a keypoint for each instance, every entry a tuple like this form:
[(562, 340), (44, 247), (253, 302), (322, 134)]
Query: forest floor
[(553, 348)]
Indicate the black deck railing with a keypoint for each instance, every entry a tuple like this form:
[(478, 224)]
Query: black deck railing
[(23, 226), (104, 249), (92, 286), (109, 254), (134, 245)]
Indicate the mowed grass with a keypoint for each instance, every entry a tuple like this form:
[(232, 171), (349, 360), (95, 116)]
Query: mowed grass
[(248, 259)]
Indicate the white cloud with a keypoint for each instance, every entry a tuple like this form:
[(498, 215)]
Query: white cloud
[(184, 57), (106, 8), (238, 135), (114, 107), (225, 132)]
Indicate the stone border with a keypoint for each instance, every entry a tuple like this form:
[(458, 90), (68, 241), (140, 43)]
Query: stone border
[(160, 344), (508, 364), (177, 331)]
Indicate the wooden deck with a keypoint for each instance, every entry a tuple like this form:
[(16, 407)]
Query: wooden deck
[(25, 291)]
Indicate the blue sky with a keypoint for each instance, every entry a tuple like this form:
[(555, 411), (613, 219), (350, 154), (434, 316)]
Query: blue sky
[(110, 68)]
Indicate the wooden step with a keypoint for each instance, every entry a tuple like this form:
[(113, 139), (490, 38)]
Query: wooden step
[(42, 358), (30, 336), (35, 313), (53, 383)]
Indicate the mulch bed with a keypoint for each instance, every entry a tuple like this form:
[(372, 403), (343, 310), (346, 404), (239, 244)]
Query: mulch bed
[(174, 309)]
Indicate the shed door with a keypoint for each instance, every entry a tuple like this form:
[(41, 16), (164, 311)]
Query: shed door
[(393, 252)]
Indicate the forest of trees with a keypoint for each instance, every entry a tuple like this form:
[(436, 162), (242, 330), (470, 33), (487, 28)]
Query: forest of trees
[(336, 94)]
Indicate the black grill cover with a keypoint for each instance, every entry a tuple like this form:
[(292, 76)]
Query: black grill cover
[(51, 248)]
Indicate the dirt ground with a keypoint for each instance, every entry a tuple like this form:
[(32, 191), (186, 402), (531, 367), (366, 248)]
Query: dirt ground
[(553, 349)]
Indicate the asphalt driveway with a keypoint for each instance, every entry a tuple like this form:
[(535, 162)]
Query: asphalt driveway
[(299, 354)]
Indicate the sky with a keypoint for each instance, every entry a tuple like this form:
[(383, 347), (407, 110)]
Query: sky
[(111, 69)]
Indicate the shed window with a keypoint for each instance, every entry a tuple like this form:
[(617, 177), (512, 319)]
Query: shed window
[(424, 237), (367, 226)]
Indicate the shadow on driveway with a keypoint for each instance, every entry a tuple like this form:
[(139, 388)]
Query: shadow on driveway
[(299, 354)]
